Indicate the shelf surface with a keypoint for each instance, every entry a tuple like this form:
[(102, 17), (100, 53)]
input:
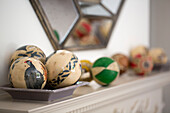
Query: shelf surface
[(126, 86)]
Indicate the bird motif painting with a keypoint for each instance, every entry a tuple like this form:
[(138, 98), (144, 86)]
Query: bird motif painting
[(33, 78), (28, 73)]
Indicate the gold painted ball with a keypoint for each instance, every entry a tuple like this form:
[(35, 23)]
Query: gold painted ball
[(86, 70)]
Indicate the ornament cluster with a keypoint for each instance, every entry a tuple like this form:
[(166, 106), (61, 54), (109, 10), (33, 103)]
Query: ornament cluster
[(31, 69), (141, 60)]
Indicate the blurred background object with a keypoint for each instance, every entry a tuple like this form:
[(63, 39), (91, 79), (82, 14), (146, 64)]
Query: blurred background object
[(123, 62)]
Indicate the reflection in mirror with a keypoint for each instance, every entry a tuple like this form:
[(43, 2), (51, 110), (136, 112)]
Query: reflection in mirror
[(62, 16), (89, 33), (89, 8), (78, 24), (112, 5)]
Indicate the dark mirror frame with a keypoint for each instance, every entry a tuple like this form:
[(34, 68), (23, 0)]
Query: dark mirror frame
[(50, 33)]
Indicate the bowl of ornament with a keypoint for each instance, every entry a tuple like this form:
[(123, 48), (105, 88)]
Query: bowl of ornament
[(32, 79)]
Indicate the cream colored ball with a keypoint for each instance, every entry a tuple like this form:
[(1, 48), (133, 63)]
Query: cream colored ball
[(29, 51), (64, 69), (28, 73), (139, 50), (158, 55)]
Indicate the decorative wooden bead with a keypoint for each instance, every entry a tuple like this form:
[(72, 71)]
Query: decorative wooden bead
[(142, 50), (28, 73), (142, 65), (123, 62), (64, 69), (86, 70), (159, 56), (82, 29), (29, 51), (105, 70)]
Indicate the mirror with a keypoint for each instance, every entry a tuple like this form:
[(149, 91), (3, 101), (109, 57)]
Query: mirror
[(78, 24)]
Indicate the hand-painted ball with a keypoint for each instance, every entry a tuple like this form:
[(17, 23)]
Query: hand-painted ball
[(29, 51), (86, 70), (64, 69), (82, 29), (142, 65), (159, 56), (123, 62), (105, 70), (142, 50), (28, 73)]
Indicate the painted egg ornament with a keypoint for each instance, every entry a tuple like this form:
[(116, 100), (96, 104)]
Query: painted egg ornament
[(27, 73), (29, 51), (123, 62), (82, 29), (142, 50), (105, 70), (86, 70), (142, 65), (64, 69), (159, 56)]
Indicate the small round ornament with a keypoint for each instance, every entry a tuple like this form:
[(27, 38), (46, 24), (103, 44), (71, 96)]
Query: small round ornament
[(82, 29), (64, 69), (29, 51), (28, 73), (86, 66), (105, 70), (142, 65), (142, 50), (159, 56), (86, 70), (123, 62)]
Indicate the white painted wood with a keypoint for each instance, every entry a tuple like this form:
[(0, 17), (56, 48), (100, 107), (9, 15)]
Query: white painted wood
[(149, 102), (127, 89)]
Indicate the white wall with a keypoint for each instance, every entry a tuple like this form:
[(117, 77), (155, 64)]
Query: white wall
[(19, 26), (132, 29)]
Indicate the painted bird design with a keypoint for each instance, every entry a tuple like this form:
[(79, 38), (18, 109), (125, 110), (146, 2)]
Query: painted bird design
[(33, 78)]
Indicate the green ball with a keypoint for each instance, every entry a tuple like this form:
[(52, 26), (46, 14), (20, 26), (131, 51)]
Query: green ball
[(105, 70)]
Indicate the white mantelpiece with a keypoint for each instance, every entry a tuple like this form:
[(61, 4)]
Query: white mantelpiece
[(129, 94)]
